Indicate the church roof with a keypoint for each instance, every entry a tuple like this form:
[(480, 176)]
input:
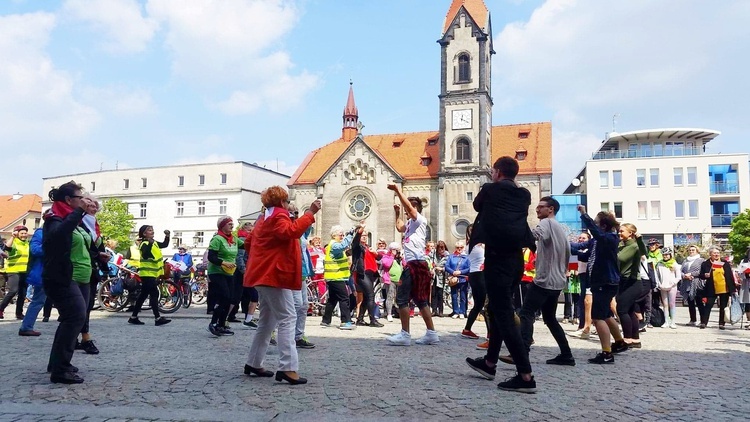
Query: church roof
[(14, 208), (402, 151), (476, 9)]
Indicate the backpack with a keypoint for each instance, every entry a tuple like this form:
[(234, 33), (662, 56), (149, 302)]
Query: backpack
[(657, 317)]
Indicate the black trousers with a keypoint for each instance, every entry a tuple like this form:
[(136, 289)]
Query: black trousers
[(705, 308), (366, 286), (72, 309), (437, 299), (545, 300), (148, 289), (237, 292), (222, 286), (249, 295), (47, 312), (479, 292), (20, 292), (630, 292), (337, 294), (502, 274), (85, 294)]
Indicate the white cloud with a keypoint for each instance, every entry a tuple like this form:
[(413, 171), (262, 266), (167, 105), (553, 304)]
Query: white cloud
[(657, 64), (122, 101), (233, 47), (37, 102), (126, 29)]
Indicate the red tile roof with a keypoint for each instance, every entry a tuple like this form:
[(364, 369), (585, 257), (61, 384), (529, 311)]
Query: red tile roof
[(12, 210), (402, 151), (476, 9)]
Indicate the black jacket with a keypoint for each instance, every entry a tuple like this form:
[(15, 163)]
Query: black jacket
[(709, 290), (501, 223), (56, 244)]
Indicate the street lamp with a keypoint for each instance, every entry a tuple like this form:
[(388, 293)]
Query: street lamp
[(196, 239)]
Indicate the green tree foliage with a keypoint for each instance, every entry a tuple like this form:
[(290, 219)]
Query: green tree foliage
[(739, 236), (116, 222)]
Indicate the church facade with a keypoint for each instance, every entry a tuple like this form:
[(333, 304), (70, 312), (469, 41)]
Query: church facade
[(446, 167)]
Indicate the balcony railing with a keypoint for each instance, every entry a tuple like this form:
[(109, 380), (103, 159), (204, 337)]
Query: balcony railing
[(718, 188), (617, 154), (722, 220)]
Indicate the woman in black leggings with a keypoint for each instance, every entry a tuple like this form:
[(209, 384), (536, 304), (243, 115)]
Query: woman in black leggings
[(631, 250), (478, 288)]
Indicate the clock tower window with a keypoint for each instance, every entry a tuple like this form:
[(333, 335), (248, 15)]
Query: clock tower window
[(463, 150), (464, 69)]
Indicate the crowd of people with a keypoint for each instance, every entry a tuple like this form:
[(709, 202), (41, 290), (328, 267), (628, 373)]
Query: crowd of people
[(610, 278)]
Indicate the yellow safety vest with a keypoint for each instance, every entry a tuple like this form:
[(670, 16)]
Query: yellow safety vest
[(526, 257), (335, 268), (152, 267), (135, 257), (18, 257)]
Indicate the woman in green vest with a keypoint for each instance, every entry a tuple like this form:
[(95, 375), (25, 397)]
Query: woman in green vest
[(17, 248), (222, 257), (151, 268)]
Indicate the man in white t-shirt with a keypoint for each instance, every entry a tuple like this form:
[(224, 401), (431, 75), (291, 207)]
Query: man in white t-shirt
[(416, 280)]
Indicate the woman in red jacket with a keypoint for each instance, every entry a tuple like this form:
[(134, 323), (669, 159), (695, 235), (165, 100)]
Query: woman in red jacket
[(274, 268)]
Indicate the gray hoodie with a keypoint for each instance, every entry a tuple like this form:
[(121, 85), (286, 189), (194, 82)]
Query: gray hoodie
[(552, 255)]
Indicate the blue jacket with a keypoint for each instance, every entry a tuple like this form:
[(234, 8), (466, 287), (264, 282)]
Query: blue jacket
[(460, 263), (187, 259), (603, 267), (307, 267), (36, 261)]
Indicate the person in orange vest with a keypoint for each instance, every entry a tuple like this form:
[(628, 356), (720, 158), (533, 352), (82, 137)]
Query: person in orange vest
[(529, 272)]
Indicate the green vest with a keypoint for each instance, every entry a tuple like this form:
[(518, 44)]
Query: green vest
[(18, 257), (152, 267), (335, 269)]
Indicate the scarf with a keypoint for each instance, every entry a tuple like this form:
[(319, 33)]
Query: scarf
[(229, 237), (670, 263), (93, 226), (61, 209), (243, 233)]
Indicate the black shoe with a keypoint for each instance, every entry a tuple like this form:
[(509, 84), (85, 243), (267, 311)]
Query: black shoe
[(265, 373), (162, 321), (519, 385), (304, 344), (602, 358), (214, 330), (79, 346), (135, 321), (562, 360), (480, 365), (281, 376), (19, 316), (89, 347), (225, 331), (634, 345), (619, 347), (507, 359), (702, 326), (71, 368), (362, 323), (233, 319), (376, 324), (66, 378), (45, 319)]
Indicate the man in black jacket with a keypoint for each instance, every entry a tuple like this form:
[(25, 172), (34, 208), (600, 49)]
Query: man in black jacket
[(502, 226)]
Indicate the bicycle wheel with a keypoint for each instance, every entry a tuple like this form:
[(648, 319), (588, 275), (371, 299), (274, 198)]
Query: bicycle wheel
[(187, 294), (199, 287), (108, 301), (447, 302), (170, 297)]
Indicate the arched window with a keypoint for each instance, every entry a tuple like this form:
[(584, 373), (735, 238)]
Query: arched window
[(464, 68), (463, 151)]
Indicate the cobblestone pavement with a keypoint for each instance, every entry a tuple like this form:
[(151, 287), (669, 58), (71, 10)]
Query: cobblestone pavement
[(179, 372)]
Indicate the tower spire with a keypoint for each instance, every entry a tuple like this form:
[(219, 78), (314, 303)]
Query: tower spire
[(351, 116)]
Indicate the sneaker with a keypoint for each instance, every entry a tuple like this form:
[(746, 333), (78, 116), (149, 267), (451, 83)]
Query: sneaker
[(214, 330), (649, 325), (462, 316), (673, 325), (78, 345), (692, 323), (376, 324), (562, 360), (574, 321), (469, 334), (89, 347), (721, 327), (162, 321), (325, 324), (232, 319), (225, 331), (619, 347), (29, 333), (19, 316), (455, 316), (564, 321), (519, 385), (480, 365), (250, 324), (389, 318), (602, 358), (45, 319), (304, 344), (429, 338), (347, 326), (483, 346), (702, 326), (362, 323), (135, 321), (583, 335), (642, 330), (403, 338), (635, 345), (507, 359)]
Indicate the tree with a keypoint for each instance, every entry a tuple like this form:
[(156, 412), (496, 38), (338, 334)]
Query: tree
[(739, 236), (116, 223)]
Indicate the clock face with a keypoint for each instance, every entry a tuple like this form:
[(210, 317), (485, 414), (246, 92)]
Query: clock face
[(462, 119)]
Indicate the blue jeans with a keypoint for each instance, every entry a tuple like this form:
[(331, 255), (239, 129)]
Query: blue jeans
[(459, 298), (300, 305), (36, 305)]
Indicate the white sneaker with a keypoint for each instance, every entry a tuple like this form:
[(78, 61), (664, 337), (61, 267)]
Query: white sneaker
[(403, 338), (673, 325), (454, 316), (430, 337), (580, 334), (390, 318), (461, 316)]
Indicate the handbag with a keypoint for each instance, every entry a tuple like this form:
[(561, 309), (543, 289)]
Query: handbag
[(453, 280), (735, 309), (657, 317)]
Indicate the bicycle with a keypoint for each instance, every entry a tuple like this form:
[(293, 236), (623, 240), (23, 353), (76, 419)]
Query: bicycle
[(317, 301), (199, 289), (116, 293)]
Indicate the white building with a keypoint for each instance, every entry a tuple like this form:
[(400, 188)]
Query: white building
[(186, 199), (666, 183)]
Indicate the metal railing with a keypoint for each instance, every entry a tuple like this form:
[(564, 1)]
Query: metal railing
[(718, 188), (673, 152), (722, 220)]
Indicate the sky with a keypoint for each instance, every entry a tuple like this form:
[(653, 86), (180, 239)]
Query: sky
[(94, 84)]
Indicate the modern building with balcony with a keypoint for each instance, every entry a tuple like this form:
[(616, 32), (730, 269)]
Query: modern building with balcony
[(668, 183)]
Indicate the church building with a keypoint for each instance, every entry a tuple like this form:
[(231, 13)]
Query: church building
[(444, 167)]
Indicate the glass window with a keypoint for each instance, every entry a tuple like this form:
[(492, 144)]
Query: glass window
[(604, 179), (222, 206), (201, 207), (658, 149), (201, 180), (463, 150), (180, 180), (360, 205), (654, 179), (93, 186), (464, 68), (617, 178), (223, 178), (646, 150), (641, 210), (37, 222), (144, 182), (655, 210), (604, 206), (469, 196), (198, 238), (693, 208), (640, 177), (618, 209), (143, 210), (678, 176), (177, 239), (679, 208), (125, 183), (461, 226), (454, 209), (180, 208), (692, 176)]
